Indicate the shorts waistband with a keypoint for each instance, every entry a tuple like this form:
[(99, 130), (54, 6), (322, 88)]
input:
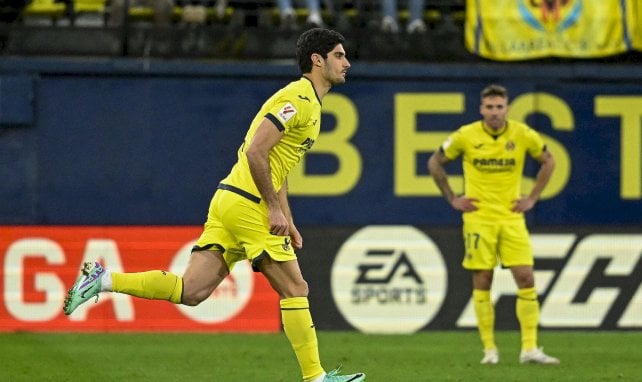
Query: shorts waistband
[(236, 190)]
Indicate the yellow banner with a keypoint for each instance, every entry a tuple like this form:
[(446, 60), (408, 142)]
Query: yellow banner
[(634, 22), (527, 29)]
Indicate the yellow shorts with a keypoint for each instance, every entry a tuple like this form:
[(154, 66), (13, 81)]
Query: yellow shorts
[(489, 243), (239, 228)]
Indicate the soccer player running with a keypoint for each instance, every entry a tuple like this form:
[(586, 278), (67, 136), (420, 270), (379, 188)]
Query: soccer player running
[(249, 216), (493, 153)]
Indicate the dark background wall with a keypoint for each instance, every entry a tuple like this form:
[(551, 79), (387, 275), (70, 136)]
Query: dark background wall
[(127, 141)]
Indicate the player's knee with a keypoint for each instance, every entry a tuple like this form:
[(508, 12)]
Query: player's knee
[(295, 289), (301, 289), (525, 281), (482, 279), (524, 277), (191, 298)]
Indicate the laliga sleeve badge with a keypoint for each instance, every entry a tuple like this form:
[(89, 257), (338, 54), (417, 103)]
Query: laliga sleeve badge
[(287, 112)]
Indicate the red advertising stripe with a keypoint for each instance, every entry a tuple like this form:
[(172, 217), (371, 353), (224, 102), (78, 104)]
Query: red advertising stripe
[(39, 264)]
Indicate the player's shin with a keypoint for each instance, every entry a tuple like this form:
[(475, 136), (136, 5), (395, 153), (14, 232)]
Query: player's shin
[(299, 328), (485, 312), (153, 285), (527, 310)]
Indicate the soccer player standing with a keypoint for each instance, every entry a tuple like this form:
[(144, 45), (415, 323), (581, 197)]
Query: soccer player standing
[(249, 216), (493, 152)]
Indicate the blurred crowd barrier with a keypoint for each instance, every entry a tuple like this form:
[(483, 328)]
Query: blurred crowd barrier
[(451, 30), (227, 29)]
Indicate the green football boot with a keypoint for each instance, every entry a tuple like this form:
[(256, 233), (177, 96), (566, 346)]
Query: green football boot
[(334, 377), (86, 287)]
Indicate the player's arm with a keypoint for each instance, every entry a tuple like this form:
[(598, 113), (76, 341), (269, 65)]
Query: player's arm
[(436, 164), (267, 135), (297, 240), (547, 165)]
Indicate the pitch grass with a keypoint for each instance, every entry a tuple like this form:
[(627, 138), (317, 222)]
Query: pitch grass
[(425, 356)]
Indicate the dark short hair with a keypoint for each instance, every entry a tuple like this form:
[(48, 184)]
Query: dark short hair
[(315, 40), (494, 91)]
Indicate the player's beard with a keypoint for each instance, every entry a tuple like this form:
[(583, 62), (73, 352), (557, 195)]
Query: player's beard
[(333, 78), (338, 81), (496, 122)]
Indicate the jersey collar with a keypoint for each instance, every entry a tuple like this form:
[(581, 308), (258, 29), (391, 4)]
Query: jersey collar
[(494, 133), (313, 89)]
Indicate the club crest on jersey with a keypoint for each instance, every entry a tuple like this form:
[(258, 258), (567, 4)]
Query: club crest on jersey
[(510, 146), (287, 111)]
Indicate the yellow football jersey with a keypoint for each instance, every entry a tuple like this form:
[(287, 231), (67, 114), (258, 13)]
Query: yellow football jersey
[(493, 166), (296, 111)]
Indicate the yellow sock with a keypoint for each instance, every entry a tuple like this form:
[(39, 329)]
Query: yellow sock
[(527, 309), (485, 312), (299, 328), (153, 285)]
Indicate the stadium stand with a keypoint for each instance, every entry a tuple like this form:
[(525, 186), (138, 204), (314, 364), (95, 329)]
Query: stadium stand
[(89, 13), (227, 29), (45, 12), (205, 28)]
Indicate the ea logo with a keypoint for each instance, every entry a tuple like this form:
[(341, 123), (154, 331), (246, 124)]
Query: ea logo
[(389, 279), (227, 300)]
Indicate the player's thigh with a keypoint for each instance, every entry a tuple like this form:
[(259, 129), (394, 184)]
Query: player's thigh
[(480, 245), (515, 245), (205, 271)]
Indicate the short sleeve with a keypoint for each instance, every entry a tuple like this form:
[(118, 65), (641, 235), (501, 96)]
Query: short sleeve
[(287, 113), (453, 146), (534, 143)]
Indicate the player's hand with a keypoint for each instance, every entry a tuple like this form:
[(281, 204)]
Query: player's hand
[(297, 239), (523, 204), (462, 203), (278, 223)]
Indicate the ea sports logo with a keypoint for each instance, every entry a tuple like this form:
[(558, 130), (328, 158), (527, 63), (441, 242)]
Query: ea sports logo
[(229, 298), (389, 279)]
